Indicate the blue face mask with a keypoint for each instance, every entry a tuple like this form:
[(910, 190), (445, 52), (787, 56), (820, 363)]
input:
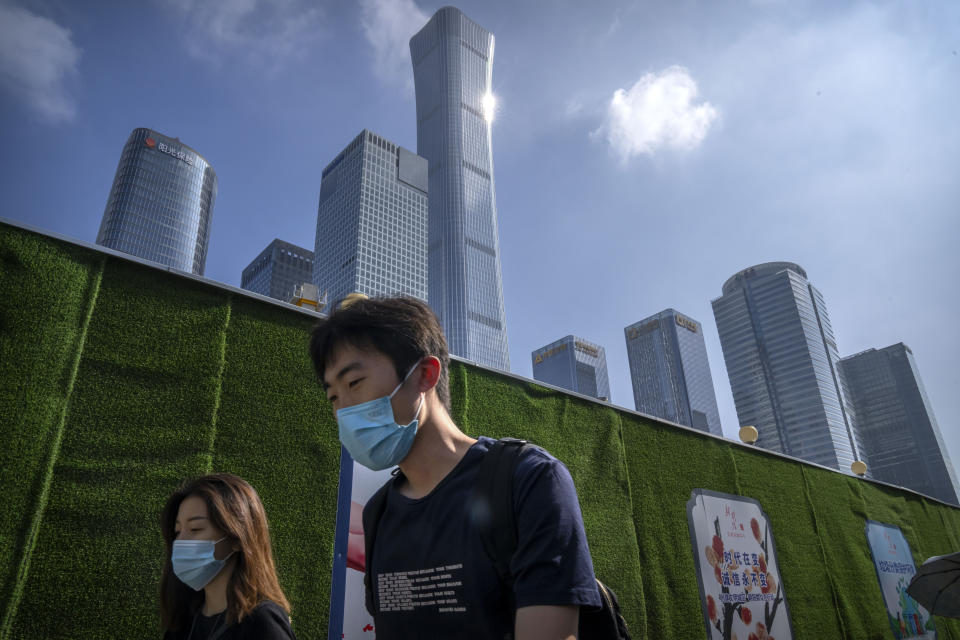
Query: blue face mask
[(371, 434), (193, 562)]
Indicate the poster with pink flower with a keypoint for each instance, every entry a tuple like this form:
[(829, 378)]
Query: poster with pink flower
[(740, 587)]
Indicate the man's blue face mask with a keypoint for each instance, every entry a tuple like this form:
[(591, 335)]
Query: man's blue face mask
[(371, 434)]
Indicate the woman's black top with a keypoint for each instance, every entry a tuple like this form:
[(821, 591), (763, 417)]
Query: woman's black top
[(267, 622)]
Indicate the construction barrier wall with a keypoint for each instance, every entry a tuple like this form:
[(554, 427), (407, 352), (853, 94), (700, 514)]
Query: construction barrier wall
[(118, 380)]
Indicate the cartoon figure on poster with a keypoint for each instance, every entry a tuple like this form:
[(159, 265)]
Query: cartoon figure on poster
[(348, 593), (740, 586), (895, 568)]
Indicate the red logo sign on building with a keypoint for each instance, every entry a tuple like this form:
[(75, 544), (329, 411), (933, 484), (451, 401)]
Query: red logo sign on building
[(151, 142)]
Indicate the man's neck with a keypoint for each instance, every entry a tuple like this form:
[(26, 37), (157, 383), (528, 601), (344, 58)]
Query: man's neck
[(439, 446)]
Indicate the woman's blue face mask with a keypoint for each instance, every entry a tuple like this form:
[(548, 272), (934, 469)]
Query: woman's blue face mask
[(194, 563), (371, 434)]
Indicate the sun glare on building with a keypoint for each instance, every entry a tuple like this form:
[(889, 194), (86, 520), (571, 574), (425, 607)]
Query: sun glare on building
[(489, 106)]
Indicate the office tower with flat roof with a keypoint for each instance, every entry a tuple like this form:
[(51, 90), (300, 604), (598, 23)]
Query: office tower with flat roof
[(452, 67), (783, 365), (669, 371), (278, 269), (901, 438), (372, 222), (575, 364), (161, 203)]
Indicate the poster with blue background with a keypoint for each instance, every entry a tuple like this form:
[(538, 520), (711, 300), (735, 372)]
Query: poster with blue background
[(895, 568)]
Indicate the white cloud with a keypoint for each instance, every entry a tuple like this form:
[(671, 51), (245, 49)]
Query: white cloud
[(265, 31), (388, 26), (36, 57), (658, 112)]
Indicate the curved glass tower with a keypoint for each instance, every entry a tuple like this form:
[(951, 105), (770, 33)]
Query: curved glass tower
[(783, 365), (161, 202), (452, 70)]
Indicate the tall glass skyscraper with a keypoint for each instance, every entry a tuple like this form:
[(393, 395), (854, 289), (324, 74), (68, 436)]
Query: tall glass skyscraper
[(783, 365), (161, 203), (452, 69), (278, 269), (575, 364), (670, 372), (900, 435), (372, 222)]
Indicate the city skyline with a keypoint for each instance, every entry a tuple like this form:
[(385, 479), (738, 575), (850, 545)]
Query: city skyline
[(279, 268), (453, 65), (670, 371), (371, 233), (820, 135), (161, 202), (573, 363), (782, 360), (901, 437)]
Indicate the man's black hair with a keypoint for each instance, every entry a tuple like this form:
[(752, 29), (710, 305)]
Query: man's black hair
[(404, 329)]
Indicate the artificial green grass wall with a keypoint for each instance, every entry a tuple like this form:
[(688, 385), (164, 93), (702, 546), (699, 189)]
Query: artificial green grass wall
[(119, 381)]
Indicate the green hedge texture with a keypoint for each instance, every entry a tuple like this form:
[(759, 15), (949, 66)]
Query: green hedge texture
[(119, 381)]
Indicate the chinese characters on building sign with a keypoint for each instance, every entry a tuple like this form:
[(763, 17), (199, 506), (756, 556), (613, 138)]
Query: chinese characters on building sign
[(540, 357), (165, 148), (635, 332), (686, 323), (587, 348)]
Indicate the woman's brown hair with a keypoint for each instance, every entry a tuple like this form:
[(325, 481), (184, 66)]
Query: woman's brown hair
[(234, 507)]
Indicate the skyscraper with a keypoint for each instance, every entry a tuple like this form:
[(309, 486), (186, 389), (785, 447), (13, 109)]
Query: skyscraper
[(783, 365), (372, 222), (901, 438), (278, 269), (161, 203), (669, 371), (575, 364), (452, 69)]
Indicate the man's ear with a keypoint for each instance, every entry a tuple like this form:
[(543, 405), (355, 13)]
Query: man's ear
[(430, 373)]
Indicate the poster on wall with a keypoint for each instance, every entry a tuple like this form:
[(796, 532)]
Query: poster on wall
[(349, 619), (741, 592), (895, 569)]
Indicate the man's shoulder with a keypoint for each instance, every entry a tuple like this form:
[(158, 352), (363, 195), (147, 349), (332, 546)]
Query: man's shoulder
[(533, 460)]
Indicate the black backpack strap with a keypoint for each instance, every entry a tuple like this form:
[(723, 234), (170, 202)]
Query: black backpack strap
[(371, 520), (494, 495), (494, 490)]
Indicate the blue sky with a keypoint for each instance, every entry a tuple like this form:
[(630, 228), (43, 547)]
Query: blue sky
[(643, 152)]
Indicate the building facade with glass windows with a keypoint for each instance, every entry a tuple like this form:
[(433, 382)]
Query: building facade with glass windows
[(901, 438), (575, 364), (452, 69), (783, 365), (669, 371), (372, 222), (277, 270), (161, 203)]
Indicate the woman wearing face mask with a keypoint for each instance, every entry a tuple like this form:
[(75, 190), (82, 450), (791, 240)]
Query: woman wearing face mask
[(219, 581)]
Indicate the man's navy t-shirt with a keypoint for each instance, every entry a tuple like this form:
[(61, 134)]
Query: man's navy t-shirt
[(432, 577)]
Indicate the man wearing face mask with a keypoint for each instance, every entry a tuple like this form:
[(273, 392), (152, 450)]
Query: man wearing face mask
[(384, 366)]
